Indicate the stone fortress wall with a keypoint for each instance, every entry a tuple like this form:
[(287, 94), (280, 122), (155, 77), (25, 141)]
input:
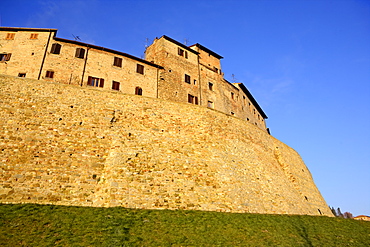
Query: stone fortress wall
[(86, 146)]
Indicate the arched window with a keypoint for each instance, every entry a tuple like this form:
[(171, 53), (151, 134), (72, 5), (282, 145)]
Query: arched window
[(138, 91)]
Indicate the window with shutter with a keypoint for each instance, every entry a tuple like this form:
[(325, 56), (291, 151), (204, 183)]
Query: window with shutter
[(34, 35), (192, 99), (187, 78), (117, 62), (138, 91), (140, 69), (180, 52), (80, 53), (95, 82), (55, 48), (10, 36), (115, 85), (49, 74), (101, 82), (5, 57)]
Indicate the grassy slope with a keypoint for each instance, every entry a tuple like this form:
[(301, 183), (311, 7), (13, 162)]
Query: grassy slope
[(45, 225)]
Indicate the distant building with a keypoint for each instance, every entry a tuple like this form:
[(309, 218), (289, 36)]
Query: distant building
[(362, 217), (171, 70)]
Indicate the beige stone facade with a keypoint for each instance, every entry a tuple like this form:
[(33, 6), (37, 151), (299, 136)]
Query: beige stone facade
[(86, 146), (170, 71)]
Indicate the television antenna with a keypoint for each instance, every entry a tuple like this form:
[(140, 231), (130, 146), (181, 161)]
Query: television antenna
[(76, 37)]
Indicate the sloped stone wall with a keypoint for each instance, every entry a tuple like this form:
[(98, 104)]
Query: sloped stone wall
[(71, 145)]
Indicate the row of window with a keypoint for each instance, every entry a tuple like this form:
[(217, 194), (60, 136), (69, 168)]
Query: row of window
[(188, 80), (10, 36), (92, 81), (80, 53)]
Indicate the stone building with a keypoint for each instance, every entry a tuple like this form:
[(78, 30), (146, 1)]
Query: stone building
[(171, 70), (75, 130)]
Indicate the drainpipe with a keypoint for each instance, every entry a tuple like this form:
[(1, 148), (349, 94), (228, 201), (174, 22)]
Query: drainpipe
[(157, 82), (43, 59), (83, 71), (200, 84)]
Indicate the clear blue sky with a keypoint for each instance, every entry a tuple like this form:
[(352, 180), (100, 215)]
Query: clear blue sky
[(306, 62)]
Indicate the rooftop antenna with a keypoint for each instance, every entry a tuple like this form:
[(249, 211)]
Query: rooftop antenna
[(234, 78), (146, 42), (186, 41), (76, 37)]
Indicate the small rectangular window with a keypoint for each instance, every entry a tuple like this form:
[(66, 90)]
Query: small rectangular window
[(192, 99), (232, 95), (140, 69), (21, 74), (210, 104), (187, 78), (138, 91), (34, 35), (80, 53), (95, 82), (49, 74), (115, 85), (117, 61), (180, 52), (10, 36), (55, 48), (186, 54), (210, 86), (5, 57)]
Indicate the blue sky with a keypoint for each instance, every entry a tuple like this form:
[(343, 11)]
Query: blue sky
[(306, 62)]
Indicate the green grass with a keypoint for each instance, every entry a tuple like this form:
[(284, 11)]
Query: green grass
[(47, 225)]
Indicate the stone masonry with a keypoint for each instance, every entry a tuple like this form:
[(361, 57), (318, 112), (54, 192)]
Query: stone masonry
[(85, 146)]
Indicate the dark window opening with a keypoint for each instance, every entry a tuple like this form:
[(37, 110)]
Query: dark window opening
[(117, 62), (115, 85), (34, 35), (140, 69), (95, 82), (49, 74), (80, 53), (180, 52), (192, 99), (10, 36), (195, 82), (210, 86), (187, 78), (232, 95), (232, 113), (5, 57), (22, 75), (138, 91), (55, 48)]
